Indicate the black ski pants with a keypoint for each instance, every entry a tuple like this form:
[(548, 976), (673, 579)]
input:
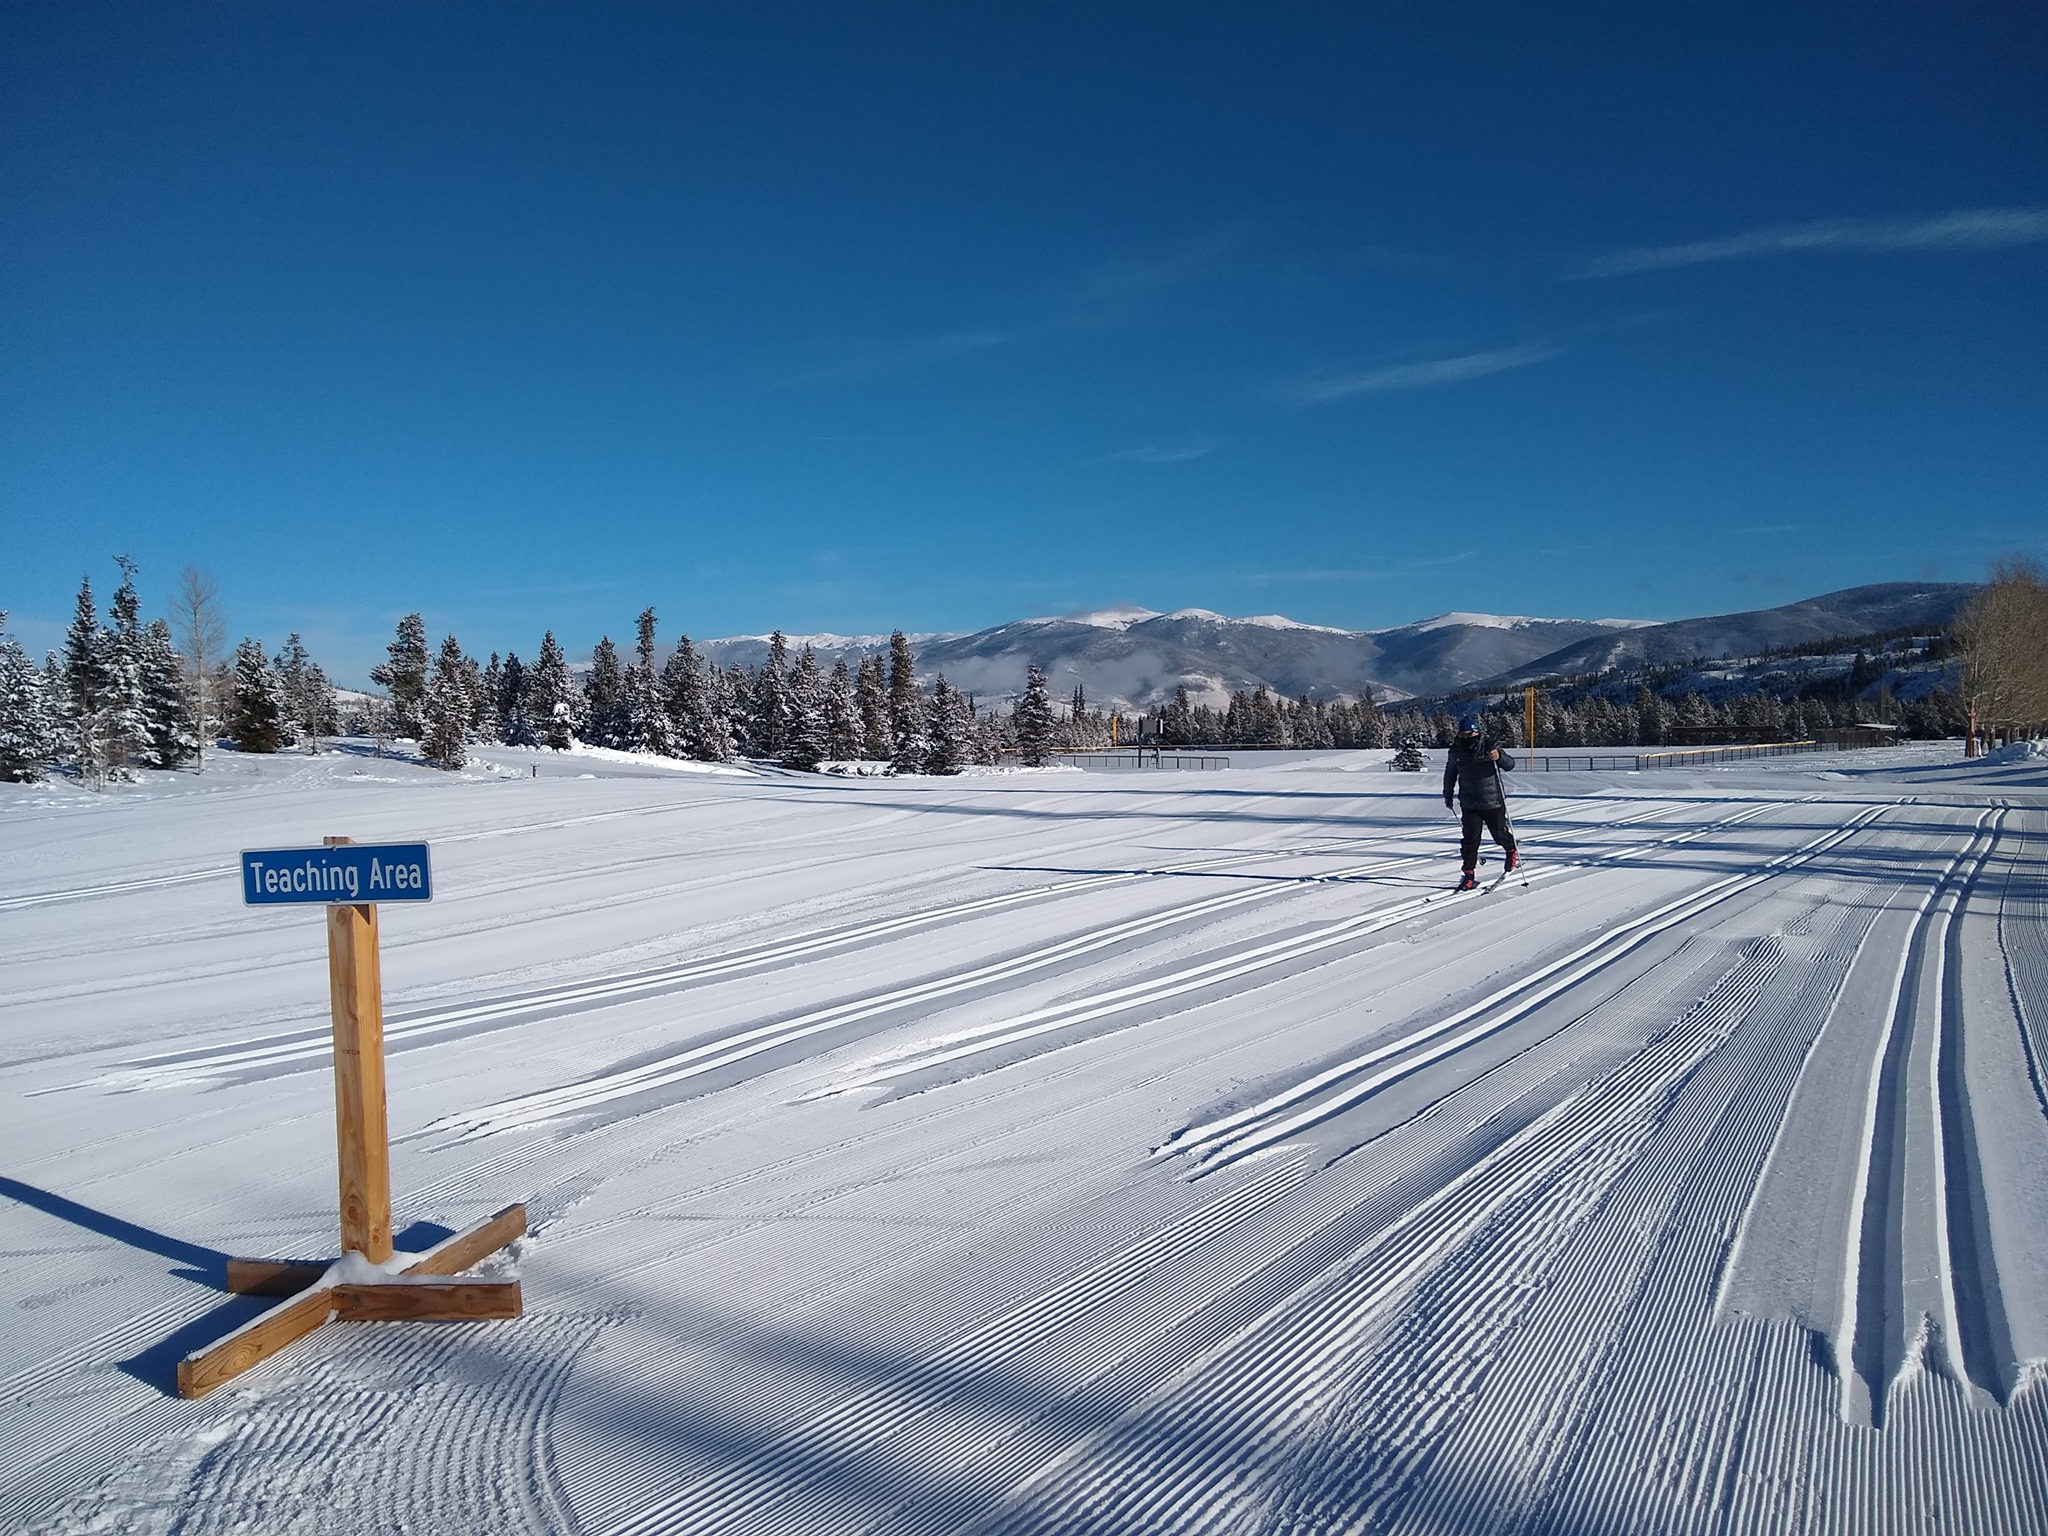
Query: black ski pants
[(1495, 820)]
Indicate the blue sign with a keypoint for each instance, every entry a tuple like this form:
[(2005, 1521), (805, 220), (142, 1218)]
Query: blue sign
[(351, 873)]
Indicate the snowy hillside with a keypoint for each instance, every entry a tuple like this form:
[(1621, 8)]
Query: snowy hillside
[(1132, 658), (1855, 611), (1052, 1152)]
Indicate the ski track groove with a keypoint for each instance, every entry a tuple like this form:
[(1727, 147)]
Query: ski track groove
[(309, 1049), (1038, 1330), (1882, 1311), (1316, 1333), (2022, 929), (1302, 1105), (407, 1028), (1146, 994)]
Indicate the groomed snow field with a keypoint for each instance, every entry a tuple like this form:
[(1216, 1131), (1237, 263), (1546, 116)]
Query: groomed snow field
[(1051, 1152)]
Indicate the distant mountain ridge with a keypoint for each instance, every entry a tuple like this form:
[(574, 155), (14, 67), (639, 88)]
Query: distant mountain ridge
[(1854, 611), (1134, 659)]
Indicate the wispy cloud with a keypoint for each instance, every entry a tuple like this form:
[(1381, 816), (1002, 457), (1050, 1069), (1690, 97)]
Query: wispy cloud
[(1164, 453), (1324, 389), (1195, 261), (1977, 229), (888, 359)]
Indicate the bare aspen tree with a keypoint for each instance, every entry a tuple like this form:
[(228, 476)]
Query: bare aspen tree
[(202, 642), (2001, 637)]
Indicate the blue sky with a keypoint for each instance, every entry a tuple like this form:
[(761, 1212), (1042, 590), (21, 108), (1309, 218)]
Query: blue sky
[(851, 317)]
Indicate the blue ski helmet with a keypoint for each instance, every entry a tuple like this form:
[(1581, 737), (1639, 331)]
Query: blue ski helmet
[(1469, 726)]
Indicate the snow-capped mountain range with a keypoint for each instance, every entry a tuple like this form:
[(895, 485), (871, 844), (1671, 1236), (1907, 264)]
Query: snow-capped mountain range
[(1134, 658)]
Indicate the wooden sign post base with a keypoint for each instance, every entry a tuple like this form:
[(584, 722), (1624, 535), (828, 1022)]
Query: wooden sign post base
[(360, 1286), (431, 1287)]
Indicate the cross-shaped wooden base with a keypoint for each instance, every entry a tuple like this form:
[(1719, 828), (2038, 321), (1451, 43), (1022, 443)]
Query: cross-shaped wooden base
[(430, 1287)]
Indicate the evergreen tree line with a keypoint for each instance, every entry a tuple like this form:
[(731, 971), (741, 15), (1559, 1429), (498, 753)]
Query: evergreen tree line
[(1651, 719), (790, 709), (122, 695), (1261, 718)]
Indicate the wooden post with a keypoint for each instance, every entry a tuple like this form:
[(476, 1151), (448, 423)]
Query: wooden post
[(431, 1285), (362, 1134), (1529, 703)]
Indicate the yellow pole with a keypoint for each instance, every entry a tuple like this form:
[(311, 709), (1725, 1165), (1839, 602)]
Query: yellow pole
[(1529, 703)]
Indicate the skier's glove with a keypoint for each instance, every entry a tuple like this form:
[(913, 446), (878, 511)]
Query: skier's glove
[(1447, 803)]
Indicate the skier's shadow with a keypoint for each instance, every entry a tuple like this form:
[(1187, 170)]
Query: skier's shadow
[(158, 1364)]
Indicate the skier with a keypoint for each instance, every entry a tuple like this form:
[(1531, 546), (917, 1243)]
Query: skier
[(1472, 772)]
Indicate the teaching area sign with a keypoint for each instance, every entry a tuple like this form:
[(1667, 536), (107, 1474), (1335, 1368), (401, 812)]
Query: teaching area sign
[(350, 873)]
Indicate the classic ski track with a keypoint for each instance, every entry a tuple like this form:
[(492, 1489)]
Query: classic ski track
[(229, 874), (1388, 1306), (1196, 978), (728, 1050), (1061, 1402), (1878, 1337), (530, 885), (1338, 1088), (2023, 945), (408, 1028), (1029, 1331)]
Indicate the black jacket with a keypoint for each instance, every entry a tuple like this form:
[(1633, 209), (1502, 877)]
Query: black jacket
[(1470, 772)]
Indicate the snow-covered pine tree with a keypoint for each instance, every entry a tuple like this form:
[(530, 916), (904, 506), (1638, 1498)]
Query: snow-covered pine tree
[(475, 705), (168, 741), (308, 697), (553, 697), (404, 676), (945, 729), (871, 700), (842, 724), (804, 737), (88, 692), (1033, 721), (1370, 729), (604, 698), (907, 743), (445, 744), (515, 724), (87, 697), (686, 700), (718, 745), (771, 703), (649, 724), (1407, 754), (255, 701), (128, 725), (996, 737), (1177, 719), (737, 689), (490, 688), (28, 731)]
